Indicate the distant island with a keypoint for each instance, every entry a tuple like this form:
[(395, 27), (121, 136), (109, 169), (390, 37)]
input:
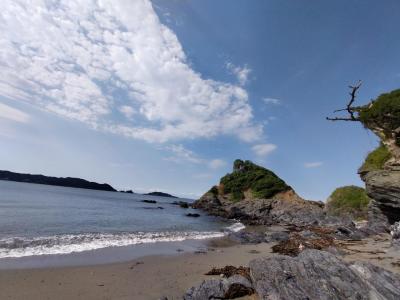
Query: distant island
[(160, 194), (68, 182), (57, 181)]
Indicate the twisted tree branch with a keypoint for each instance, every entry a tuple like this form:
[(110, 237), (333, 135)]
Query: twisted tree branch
[(349, 108)]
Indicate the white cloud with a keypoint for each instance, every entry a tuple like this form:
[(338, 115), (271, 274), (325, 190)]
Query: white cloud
[(86, 59), (13, 114), (217, 163), (181, 155), (273, 101), (241, 73), (263, 149), (314, 164), (127, 111)]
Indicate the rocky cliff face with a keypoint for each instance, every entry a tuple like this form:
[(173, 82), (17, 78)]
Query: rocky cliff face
[(256, 195), (383, 181)]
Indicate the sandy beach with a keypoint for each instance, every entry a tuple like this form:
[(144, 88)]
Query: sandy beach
[(154, 276), (146, 278)]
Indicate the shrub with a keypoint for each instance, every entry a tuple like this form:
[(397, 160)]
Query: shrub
[(384, 113), (348, 201), (376, 159), (263, 183)]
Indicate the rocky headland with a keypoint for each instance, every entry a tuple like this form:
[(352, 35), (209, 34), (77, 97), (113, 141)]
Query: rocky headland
[(311, 249), (255, 195)]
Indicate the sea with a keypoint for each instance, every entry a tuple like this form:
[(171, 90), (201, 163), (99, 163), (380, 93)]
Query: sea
[(42, 226)]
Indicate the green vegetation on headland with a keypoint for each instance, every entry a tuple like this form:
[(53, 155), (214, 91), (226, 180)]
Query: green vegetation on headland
[(349, 201), (376, 159), (384, 113), (247, 176)]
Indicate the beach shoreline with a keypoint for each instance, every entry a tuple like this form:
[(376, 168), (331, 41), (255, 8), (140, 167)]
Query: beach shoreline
[(155, 276), (147, 277)]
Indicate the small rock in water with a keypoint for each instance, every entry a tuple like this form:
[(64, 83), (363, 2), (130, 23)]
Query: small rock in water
[(192, 215), (149, 201)]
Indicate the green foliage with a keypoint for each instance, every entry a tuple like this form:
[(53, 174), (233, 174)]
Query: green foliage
[(384, 112), (348, 200), (214, 190), (263, 183), (376, 159)]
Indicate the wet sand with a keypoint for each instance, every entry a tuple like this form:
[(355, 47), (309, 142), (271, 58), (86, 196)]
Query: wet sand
[(147, 278), (154, 276)]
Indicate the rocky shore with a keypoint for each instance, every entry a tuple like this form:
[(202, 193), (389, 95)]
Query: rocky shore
[(309, 261)]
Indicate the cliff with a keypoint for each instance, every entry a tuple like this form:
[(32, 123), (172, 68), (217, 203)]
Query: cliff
[(57, 181), (381, 170), (256, 195)]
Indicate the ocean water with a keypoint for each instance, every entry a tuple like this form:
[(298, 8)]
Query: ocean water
[(37, 220)]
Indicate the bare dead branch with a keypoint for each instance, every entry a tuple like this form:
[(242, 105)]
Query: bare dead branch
[(349, 108), (343, 119)]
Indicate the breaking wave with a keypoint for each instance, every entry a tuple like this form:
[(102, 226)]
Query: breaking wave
[(70, 243)]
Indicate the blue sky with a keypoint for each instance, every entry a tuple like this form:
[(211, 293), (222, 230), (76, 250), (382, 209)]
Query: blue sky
[(164, 95)]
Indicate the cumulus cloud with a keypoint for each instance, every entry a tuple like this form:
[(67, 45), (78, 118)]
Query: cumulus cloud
[(217, 163), (180, 154), (241, 73), (127, 111), (13, 114), (314, 164), (263, 149), (86, 60), (272, 101)]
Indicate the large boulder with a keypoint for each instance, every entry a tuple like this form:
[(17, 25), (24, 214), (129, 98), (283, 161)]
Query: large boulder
[(320, 275)]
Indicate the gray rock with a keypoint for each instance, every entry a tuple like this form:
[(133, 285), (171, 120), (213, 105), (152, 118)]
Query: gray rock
[(231, 288), (247, 237), (277, 236), (208, 289), (283, 208), (395, 233), (321, 275), (383, 186)]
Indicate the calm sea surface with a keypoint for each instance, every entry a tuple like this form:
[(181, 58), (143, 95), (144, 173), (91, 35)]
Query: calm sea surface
[(45, 220)]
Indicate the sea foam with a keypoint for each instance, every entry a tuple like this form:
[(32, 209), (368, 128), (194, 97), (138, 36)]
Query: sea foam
[(71, 243)]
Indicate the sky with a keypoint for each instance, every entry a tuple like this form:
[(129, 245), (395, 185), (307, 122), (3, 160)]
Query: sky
[(165, 95)]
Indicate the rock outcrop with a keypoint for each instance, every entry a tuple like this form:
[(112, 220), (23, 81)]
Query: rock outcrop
[(312, 275), (381, 171), (255, 195), (383, 186), (316, 275)]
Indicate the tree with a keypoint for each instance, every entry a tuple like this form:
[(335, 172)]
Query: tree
[(381, 116)]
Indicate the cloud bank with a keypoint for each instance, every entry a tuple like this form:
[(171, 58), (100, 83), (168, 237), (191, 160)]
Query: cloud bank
[(115, 67)]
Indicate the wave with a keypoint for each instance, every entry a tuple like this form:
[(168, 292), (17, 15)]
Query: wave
[(71, 243)]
